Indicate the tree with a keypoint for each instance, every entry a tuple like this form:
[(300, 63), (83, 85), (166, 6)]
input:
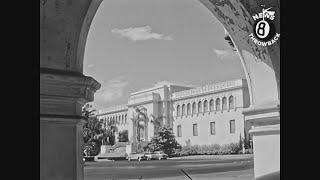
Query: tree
[(93, 133), (164, 141), (157, 122)]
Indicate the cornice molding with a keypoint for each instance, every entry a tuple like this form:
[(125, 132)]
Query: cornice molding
[(62, 119), (265, 130), (63, 85), (196, 95)]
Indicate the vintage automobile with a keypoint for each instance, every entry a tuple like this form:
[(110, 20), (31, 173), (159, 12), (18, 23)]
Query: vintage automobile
[(159, 155), (136, 156), (148, 155)]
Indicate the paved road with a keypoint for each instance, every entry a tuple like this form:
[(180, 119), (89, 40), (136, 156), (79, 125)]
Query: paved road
[(171, 169)]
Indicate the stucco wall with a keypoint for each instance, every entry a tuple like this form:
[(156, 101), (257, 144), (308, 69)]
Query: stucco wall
[(221, 118), (266, 154), (222, 127)]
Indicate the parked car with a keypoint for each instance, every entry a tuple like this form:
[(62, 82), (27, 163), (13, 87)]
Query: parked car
[(136, 156), (148, 155), (159, 155)]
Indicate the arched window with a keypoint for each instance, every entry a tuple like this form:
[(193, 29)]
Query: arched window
[(183, 109), (218, 108), (188, 109), (224, 103), (211, 104), (194, 110), (199, 107), (205, 106), (122, 122), (125, 119), (231, 102), (178, 110)]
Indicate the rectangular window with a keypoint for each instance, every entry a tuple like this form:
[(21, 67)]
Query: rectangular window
[(212, 128), (195, 130), (179, 131), (232, 126)]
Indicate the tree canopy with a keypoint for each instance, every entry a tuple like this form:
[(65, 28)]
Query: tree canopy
[(164, 141), (94, 133)]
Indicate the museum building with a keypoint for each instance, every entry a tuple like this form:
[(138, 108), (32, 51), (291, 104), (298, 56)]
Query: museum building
[(210, 114)]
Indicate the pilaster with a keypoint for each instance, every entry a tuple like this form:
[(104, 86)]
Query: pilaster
[(62, 96), (265, 120)]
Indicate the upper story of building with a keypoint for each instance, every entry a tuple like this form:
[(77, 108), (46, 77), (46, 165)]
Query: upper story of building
[(161, 92), (116, 115), (155, 100), (222, 96), (172, 100)]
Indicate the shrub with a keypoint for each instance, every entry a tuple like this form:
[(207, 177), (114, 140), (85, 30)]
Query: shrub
[(235, 148), (213, 149), (164, 141)]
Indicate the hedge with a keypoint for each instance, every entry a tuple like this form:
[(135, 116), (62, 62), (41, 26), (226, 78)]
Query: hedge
[(214, 149)]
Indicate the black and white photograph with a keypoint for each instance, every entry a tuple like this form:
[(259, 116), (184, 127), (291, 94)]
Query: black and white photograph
[(160, 89)]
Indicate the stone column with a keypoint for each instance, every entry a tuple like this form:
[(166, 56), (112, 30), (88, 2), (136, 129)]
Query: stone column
[(62, 96)]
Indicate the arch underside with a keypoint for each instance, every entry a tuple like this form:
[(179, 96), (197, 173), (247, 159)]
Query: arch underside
[(261, 64), (64, 27)]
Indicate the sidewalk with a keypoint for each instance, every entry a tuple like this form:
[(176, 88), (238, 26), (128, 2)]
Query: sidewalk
[(230, 175), (217, 157)]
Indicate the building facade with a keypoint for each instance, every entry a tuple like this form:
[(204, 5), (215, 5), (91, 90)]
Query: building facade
[(210, 114)]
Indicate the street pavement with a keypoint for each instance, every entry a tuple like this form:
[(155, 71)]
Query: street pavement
[(172, 169)]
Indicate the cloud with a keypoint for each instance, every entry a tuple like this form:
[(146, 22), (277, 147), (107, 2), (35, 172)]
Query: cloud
[(225, 54), (113, 89), (140, 34)]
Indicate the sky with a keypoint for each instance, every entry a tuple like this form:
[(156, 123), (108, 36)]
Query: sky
[(134, 44)]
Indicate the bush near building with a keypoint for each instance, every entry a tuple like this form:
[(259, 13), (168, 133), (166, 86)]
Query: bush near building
[(164, 141), (214, 149)]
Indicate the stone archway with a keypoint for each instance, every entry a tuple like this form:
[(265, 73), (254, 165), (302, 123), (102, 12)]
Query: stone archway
[(64, 25)]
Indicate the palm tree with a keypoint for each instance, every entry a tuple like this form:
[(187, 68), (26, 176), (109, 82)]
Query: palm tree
[(156, 121), (93, 133)]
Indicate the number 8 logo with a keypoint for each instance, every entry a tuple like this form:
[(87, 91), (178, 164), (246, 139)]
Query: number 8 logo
[(262, 29)]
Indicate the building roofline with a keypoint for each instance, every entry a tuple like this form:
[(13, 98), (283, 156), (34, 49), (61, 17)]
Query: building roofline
[(168, 84), (210, 88), (113, 109)]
